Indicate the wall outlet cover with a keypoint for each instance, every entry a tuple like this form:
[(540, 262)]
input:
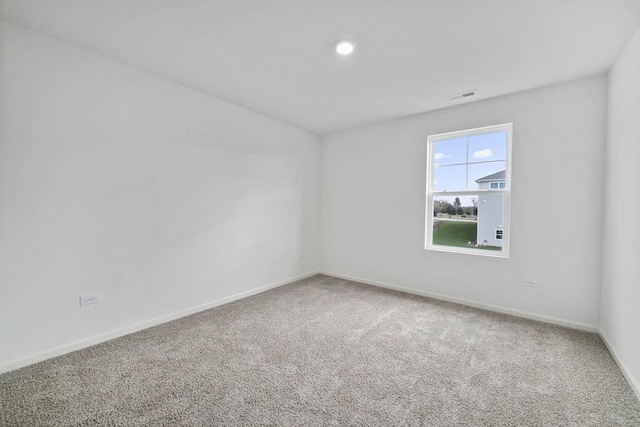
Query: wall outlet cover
[(89, 299)]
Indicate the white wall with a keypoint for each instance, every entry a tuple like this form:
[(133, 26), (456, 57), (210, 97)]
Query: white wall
[(490, 219), (156, 196), (620, 308), (373, 204)]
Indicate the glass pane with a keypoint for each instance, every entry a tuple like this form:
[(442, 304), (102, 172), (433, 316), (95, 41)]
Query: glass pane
[(468, 221), (448, 178), (483, 176), (450, 151), (488, 147)]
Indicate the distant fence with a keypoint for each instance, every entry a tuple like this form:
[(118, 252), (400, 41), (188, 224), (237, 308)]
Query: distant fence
[(465, 217)]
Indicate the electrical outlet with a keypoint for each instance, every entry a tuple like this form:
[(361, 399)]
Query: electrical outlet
[(89, 299), (530, 283)]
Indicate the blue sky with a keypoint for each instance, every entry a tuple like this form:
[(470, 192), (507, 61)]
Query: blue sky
[(458, 162)]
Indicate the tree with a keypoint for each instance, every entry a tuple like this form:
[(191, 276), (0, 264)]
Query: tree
[(457, 206), (442, 206), (475, 205)]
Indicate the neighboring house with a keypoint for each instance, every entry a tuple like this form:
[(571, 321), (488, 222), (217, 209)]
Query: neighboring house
[(490, 231)]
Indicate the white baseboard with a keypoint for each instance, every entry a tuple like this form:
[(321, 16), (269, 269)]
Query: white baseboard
[(489, 307), (97, 339), (633, 383)]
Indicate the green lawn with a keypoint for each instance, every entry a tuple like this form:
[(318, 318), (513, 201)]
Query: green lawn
[(458, 234)]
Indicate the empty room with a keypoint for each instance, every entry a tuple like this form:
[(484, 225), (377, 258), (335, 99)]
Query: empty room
[(330, 213)]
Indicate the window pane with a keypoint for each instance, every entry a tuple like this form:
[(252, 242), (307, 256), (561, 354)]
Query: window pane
[(450, 151), (468, 221), (488, 147), (448, 178), (482, 175)]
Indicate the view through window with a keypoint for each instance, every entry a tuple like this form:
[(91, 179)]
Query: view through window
[(468, 191)]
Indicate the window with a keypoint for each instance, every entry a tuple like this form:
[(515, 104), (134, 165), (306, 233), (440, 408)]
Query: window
[(468, 191)]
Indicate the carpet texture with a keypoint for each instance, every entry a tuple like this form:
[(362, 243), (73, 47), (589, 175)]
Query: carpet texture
[(325, 351)]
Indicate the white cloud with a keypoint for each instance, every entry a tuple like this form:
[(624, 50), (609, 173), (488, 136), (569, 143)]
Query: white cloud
[(440, 156), (482, 153)]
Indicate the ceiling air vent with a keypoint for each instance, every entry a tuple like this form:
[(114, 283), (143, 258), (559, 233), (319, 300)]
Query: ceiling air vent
[(462, 95)]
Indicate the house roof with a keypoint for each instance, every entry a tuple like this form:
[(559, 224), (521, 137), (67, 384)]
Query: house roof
[(498, 176)]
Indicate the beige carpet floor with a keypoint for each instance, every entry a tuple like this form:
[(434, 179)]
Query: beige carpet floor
[(324, 351)]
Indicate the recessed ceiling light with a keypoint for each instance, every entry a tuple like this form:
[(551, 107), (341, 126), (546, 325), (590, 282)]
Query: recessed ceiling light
[(344, 47)]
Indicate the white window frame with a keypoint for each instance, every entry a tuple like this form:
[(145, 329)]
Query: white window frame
[(506, 192)]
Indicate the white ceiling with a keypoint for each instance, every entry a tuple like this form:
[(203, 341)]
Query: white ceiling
[(275, 56)]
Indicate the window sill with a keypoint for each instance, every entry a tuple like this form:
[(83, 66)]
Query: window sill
[(468, 251)]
